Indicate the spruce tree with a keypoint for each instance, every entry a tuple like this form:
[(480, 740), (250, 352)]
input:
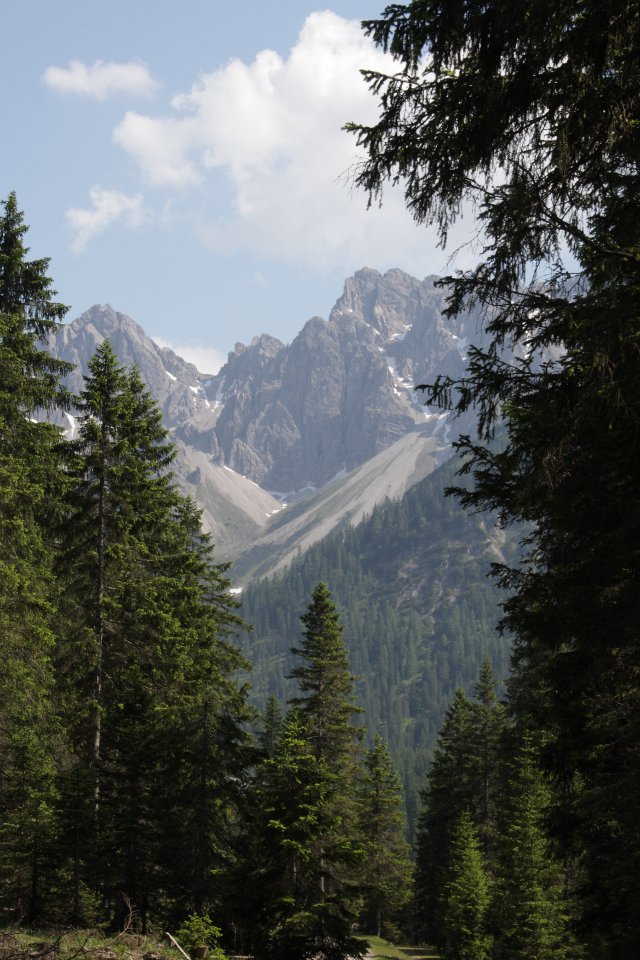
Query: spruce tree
[(203, 744), (544, 95), (326, 685), (445, 797), (464, 897), (283, 877), (531, 909), (327, 705), (272, 725), (464, 778), (387, 868), (150, 662), (30, 490), (489, 725), (321, 914)]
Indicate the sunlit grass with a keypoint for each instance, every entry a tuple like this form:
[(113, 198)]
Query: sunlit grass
[(383, 950)]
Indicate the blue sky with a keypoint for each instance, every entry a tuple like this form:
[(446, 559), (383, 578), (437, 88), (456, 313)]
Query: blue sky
[(184, 162)]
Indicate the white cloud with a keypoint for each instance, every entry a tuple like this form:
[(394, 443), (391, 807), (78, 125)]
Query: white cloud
[(108, 206), (100, 80), (161, 147), (272, 131), (206, 359)]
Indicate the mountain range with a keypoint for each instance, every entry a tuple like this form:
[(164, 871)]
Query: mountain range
[(289, 441)]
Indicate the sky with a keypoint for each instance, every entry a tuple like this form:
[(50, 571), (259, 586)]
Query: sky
[(185, 162)]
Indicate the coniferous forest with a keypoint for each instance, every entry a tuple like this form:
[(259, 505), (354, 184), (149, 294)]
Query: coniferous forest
[(139, 788), (419, 610)]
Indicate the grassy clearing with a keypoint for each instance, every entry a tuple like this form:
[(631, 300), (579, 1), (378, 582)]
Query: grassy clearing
[(383, 950), (94, 945), (21, 944)]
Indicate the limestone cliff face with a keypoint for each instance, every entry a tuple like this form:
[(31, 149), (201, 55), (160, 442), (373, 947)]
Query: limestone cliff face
[(294, 416), (174, 383)]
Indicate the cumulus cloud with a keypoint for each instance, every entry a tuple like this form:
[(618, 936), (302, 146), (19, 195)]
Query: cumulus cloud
[(100, 80), (108, 206), (206, 359), (272, 131)]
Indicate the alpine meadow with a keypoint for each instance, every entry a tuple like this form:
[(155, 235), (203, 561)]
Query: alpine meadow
[(334, 653)]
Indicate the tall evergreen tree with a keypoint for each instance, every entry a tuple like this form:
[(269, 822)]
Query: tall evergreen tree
[(489, 724), (464, 779), (327, 705), (465, 897), (321, 909), (545, 95), (272, 725), (530, 908), (30, 489), (326, 685), (286, 903), (149, 660), (387, 868), (445, 798)]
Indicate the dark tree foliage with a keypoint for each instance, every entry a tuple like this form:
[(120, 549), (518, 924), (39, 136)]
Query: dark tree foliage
[(465, 896), (304, 863), (153, 708), (383, 826), (123, 727), (325, 683), (30, 484), (463, 779), (531, 902), (289, 914), (486, 778), (529, 111)]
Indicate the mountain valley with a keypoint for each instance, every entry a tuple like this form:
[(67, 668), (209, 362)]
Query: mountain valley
[(317, 460)]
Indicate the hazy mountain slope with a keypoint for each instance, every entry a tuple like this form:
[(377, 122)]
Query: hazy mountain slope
[(347, 500)]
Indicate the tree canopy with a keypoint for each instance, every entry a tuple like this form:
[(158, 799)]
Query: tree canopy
[(528, 112)]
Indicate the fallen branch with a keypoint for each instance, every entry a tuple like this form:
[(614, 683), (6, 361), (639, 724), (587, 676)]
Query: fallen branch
[(177, 945)]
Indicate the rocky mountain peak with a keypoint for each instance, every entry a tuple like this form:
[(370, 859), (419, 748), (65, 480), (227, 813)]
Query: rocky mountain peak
[(292, 418)]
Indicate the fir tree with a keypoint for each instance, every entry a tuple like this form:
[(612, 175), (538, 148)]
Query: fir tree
[(530, 909), (284, 886), (154, 697), (272, 725), (464, 778), (465, 897), (445, 798), (325, 681), (462, 105), (30, 491), (316, 920), (387, 868)]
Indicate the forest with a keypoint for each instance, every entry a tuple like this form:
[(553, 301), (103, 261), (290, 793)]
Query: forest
[(526, 114), (138, 787), (419, 611)]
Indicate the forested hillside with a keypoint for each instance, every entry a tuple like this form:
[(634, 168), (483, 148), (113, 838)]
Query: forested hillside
[(419, 610)]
